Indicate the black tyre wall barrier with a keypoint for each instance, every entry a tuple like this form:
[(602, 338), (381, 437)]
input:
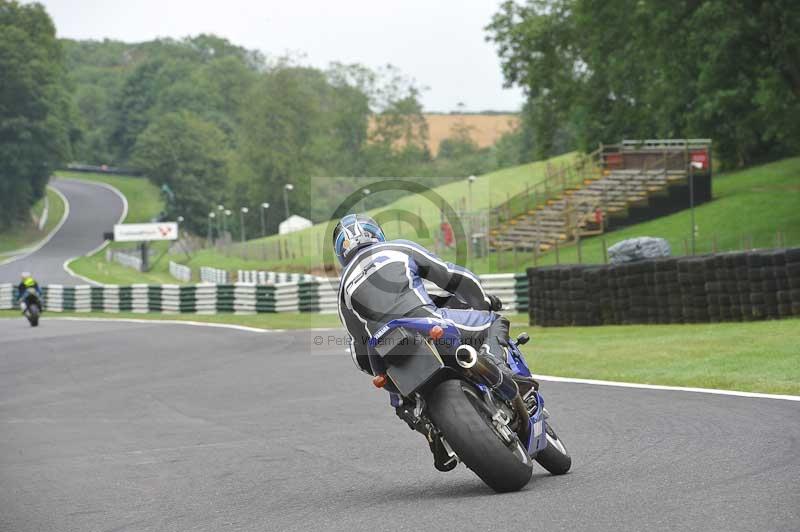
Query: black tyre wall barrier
[(738, 286)]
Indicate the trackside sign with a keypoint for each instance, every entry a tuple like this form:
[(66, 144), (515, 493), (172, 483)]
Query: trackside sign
[(145, 232)]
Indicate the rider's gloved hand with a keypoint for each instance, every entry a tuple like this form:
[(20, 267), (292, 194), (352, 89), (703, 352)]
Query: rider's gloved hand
[(495, 303)]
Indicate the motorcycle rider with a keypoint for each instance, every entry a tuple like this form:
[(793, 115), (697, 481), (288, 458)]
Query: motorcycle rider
[(27, 281), (382, 280)]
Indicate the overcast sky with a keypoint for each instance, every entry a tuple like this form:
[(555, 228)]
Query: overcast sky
[(440, 43)]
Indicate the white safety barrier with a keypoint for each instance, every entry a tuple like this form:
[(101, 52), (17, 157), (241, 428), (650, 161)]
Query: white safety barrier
[(126, 259), (261, 277), (7, 296), (180, 272), (214, 275), (316, 295)]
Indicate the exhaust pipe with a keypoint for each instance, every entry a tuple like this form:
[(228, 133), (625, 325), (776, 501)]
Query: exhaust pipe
[(466, 356), (485, 370)]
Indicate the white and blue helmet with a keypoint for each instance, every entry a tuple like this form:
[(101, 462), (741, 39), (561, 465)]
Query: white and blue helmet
[(354, 232)]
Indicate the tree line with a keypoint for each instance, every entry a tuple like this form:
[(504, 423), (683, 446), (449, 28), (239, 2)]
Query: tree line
[(36, 115), (215, 122), (603, 71)]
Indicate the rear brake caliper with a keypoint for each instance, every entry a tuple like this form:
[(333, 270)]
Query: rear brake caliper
[(501, 420)]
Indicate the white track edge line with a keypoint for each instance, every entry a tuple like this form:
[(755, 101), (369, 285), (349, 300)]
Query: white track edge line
[(172, 322), (65, 265), (71, 272), (49, 236), (547, 378), (713, 391)]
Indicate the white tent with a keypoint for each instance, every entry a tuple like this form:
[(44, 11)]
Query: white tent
[(293, 223)]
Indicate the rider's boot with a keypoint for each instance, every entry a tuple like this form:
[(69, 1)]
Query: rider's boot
[(496, 349), (442, 459)]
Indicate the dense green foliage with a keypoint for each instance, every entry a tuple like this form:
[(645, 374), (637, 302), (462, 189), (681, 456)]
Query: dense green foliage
[(35, 130), (602, 71), (23, 236), (189, 155), (221, 124)]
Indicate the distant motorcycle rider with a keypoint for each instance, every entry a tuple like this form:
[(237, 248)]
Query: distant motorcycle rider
[(27, 281), (382, 281)]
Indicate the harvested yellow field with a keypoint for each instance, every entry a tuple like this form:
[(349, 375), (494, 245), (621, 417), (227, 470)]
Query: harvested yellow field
[(485, 130)]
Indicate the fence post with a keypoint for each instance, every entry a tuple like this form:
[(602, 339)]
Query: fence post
[(714, 243), (558, 261), (685, 246), (527, 198), (578, 244), (605, 252)]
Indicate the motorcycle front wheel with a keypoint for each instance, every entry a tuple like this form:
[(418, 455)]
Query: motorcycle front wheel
[(465, 420), (33, 315), (555, 457)]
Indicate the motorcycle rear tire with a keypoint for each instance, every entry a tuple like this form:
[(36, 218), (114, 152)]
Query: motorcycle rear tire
[(470, 433)]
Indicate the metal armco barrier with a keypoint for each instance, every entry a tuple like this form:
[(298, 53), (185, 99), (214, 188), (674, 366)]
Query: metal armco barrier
[(740, 286), (318, 295), (180, 272), (261, 277), (214, 275), (126, 259)]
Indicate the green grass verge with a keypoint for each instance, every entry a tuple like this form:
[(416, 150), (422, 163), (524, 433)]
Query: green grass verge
[(755, 356), (98, 269), (144, 204), (29, 235)]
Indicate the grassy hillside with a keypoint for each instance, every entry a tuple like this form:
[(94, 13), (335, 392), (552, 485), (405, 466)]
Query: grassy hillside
[(29, 235), (749, 206), (487, 190)]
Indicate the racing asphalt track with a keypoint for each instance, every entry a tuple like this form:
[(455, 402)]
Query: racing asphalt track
[(127, 426), (93, 210)]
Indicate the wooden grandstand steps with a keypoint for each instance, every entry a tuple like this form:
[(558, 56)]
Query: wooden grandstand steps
[(560, 218)]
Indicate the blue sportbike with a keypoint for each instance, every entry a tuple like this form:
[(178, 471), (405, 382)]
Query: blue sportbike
[(462, 404)]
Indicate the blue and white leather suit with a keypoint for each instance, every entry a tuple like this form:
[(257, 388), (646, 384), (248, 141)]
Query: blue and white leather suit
[(384, 281)]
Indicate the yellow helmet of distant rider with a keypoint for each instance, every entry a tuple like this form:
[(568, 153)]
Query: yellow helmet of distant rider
[(27, 280)]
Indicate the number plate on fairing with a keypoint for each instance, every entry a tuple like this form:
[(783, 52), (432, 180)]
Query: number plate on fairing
[(410, 359)]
